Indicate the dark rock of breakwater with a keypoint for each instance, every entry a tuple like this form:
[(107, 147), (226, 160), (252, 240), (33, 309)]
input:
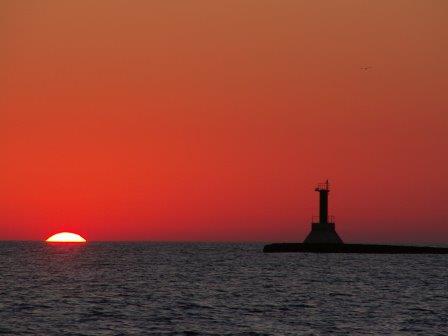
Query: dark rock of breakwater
[(352, 248)]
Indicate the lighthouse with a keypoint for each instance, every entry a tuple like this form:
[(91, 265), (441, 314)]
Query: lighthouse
[(324, 239), (323, 231)]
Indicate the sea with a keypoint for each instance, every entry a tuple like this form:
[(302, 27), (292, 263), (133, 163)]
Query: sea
[(216, 289)]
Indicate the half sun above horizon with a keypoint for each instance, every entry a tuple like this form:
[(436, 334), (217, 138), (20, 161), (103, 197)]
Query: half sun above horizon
[(65, 237)]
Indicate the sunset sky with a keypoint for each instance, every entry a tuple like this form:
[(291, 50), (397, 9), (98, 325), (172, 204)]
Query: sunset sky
[(214, 120)]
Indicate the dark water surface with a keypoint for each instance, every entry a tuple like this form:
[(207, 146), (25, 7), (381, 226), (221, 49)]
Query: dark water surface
[(216, 289)]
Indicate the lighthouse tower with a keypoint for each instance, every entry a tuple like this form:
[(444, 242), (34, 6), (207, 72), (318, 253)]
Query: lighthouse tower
[(324, 231)]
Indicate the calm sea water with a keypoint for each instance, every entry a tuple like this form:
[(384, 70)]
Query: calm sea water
[(216, 289)]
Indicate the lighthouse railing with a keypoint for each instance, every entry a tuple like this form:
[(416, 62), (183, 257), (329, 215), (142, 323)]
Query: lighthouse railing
[(316, 219)]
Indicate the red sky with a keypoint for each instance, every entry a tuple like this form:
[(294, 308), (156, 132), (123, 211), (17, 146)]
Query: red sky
[(213, 120)]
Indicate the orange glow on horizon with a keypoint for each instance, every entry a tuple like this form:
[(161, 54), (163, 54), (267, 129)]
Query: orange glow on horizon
[(65, 237)]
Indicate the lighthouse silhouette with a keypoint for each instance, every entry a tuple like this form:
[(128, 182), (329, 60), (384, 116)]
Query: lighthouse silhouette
[(324, 239), (323, 231)]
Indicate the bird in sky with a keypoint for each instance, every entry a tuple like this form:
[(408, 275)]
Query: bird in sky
[(365, 68)]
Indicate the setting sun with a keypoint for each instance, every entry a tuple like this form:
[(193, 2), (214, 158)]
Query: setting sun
[(65, 237)]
